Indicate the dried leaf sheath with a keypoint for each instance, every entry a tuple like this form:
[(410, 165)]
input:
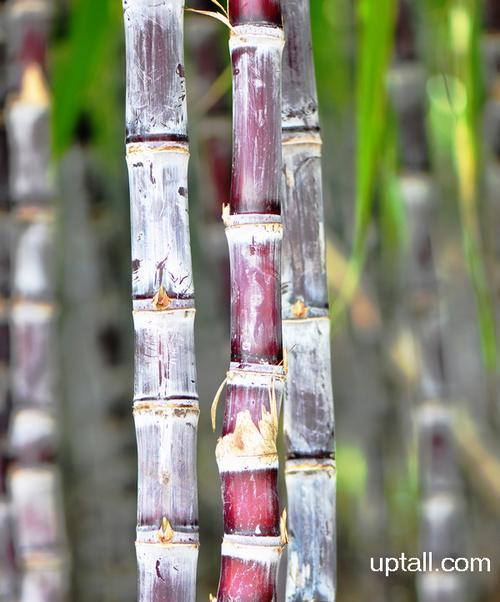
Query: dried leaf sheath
[(308, 408), (165, 397), (34, 479), (246, 453)]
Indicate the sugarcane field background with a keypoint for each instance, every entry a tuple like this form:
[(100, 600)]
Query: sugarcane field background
[(249, 300)]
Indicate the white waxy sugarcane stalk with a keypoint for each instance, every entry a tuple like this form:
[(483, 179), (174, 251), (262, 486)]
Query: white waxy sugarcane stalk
[(165, 397), (34, 478)]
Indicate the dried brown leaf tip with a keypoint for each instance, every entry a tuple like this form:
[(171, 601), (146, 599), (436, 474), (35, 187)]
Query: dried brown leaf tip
[(299, 309), (165, 533), (161, 301), (283, 528)]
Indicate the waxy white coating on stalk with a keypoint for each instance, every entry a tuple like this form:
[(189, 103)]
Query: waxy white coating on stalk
[(32, 430), (164, 350), (311, 484), (156, 64), (34, 479), (165, 397), (166, 442), (160, 237), (268, 551), (37, 508), (28, 131), (34, 367), (34, 263), (308, 406)]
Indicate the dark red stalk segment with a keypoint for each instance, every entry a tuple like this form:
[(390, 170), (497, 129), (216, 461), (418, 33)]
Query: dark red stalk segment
[(251, 502), (246, 453), (256, 134), (235, 575), (254, 12), (255, 303)]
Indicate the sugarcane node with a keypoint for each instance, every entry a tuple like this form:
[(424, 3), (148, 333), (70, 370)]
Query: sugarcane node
[(136, 148), (34, 214), (161, 301), (165, 532), (161, 408)]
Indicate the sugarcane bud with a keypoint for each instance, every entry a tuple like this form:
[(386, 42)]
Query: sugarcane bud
[(165, 533), (161, 301), (299, 309)]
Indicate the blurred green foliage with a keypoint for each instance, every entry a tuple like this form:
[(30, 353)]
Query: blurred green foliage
[(85, 78), (375, 38), (456, 101)]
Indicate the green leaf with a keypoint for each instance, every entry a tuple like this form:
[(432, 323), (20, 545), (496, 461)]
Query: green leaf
[(78, 61), (376, 24)]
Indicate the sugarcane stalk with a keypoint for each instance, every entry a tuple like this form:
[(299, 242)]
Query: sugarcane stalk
[(308, 409), (34, 481), (7, 567), (165, 398), (247, 450), (441, 508)]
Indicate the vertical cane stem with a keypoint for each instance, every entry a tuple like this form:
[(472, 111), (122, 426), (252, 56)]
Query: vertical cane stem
[(34, 478), (165, 397), (308, 409), (247, 452)]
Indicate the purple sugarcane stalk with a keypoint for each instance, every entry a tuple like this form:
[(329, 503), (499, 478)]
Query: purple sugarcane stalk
[(247, 451)]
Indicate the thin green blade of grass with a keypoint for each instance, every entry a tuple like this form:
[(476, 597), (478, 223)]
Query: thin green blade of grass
[(376, 23), (78, 60)]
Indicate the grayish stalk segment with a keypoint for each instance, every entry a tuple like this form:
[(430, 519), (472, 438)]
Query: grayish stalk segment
[(308, 408), (165, 397)]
